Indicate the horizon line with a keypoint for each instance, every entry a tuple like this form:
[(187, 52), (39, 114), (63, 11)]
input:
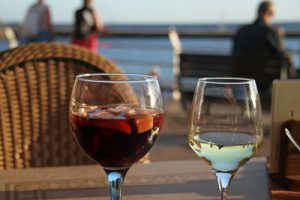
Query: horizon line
[(161, 23)]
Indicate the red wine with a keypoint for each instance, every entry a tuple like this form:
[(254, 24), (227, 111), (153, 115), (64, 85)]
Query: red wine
[(116, 136)]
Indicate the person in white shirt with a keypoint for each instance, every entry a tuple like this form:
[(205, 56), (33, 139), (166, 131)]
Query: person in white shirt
[(37, 26)]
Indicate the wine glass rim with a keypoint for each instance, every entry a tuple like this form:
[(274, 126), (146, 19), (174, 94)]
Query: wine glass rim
[(226, 80), (86, 77)]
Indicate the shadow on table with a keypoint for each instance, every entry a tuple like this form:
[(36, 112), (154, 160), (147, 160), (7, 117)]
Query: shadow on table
[(187, 190), (203, 188)]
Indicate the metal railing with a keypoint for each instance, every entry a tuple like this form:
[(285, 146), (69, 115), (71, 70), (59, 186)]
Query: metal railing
[(8, 34), (165, 47)]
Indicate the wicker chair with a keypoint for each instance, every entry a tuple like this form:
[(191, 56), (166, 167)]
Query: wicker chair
[(35, 84)]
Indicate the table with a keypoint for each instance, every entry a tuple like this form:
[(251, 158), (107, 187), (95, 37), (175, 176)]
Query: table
[(176, 180)]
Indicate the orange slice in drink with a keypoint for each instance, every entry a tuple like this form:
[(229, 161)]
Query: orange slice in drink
[(143, 123)]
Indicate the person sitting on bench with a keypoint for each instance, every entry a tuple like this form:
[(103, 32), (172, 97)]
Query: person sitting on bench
[(260, 38)]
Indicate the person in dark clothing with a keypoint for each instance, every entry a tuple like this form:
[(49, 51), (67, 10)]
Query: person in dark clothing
[(87, 26), (259, 38)]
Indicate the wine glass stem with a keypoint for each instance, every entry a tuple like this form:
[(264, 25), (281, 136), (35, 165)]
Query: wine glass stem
[(223, 195), (224, 179), (115, 180)]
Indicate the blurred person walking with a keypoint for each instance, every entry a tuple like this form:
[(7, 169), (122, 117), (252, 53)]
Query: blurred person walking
[(87, 27), (37, 26), (260, 38)]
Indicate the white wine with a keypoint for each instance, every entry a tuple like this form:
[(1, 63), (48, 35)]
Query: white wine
[(225, 151)]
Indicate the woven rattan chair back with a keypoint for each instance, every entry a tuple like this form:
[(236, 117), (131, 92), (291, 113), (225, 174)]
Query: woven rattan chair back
[(35, 85)]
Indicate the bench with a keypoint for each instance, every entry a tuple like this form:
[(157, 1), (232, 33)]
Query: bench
[(191, 66)]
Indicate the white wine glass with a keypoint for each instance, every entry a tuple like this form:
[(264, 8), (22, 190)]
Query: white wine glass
[(225, 126)]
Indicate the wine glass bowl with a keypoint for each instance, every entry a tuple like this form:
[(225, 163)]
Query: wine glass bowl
[(118, 135), (116, 119), (225, 126)]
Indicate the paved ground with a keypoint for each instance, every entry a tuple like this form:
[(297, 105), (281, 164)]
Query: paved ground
[(172, 142)]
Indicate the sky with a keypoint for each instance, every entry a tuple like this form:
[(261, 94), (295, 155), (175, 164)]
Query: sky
[(157, 11)]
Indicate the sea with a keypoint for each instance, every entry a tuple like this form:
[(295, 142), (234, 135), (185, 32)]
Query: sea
[(141, 54)]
